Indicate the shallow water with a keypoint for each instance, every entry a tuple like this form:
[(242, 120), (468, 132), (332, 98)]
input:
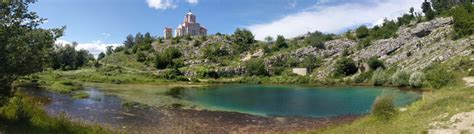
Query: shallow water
[(107, 108), (293, 100), (99, 108)]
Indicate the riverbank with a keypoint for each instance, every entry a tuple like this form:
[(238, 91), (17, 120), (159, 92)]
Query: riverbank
[(435, 106)]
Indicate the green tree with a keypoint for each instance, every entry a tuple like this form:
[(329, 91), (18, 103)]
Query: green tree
[(167, 59), (375, 63), (243, 38), (280, 42), (129, 41), (141, 57), (362, 32), (317, 39), (24, 47), (401, 78), (379, 77), (109, 50), (463, 20), (426, 8), (101, 56), (255, 68), (345, 67), (269, 39), (310, 62)]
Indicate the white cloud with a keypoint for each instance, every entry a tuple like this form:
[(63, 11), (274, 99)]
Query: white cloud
[(333, 19), (95, 48), (192, 2), (161, 4)]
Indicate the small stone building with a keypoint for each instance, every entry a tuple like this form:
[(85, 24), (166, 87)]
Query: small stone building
[(300, 71)]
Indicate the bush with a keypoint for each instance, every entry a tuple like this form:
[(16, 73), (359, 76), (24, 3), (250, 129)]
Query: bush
[(362, 32), (379, 77), (438, 77), (384, 107), (141, 57), (255, 68), (280, 42), (317, 39), (400, 78), (166, 59), (375, 63), (363, 77), (463, 20), (345, 67), (417, 79)]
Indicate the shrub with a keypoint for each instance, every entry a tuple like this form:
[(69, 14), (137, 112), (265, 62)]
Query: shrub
[(384, 107), (375, 63), (363, 77), (400, 78), (365, 43), (281, 42), (463, 20), (166, 59), (417, 79), (141, 57), (255, 68), (438, 77), (317, 39), (345, 67), (379, 77), (362, 32)]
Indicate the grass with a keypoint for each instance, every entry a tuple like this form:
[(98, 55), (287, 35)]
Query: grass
[(80, 95), (24, 115), (451, 98), (418, 116)]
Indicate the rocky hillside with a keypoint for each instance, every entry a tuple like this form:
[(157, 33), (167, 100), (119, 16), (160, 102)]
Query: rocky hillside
[(415, 47)]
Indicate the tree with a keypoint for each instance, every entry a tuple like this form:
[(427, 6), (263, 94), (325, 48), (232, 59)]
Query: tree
[(345, 67), (412, 11), (269, 39), (362, 32), (141, 57), (310, 62), (24, 48), (400, 78), (463, 17), (255, 68), (280, 42), (378, 77), (66, 57), (129, 41), (167, 58), (375, 63), (101, 56), (317, 39), (426, 8), (243, 38), (110, 50)]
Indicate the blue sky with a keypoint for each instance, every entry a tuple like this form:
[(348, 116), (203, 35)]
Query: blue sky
[(98, 23)]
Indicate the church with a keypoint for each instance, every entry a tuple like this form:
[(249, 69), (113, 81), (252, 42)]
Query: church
[(188, 27)]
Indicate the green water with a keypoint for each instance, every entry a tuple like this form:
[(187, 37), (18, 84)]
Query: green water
[(293, 100)]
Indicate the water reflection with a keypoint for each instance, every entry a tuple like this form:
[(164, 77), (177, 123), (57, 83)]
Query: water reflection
[(98, 108)]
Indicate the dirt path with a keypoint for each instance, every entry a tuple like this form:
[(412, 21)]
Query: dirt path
[(462, 123), (469, 81)]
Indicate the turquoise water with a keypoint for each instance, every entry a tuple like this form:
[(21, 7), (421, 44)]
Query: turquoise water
[(293, 100)]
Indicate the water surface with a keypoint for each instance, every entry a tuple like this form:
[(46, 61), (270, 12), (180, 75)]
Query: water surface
[(280, 100)]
